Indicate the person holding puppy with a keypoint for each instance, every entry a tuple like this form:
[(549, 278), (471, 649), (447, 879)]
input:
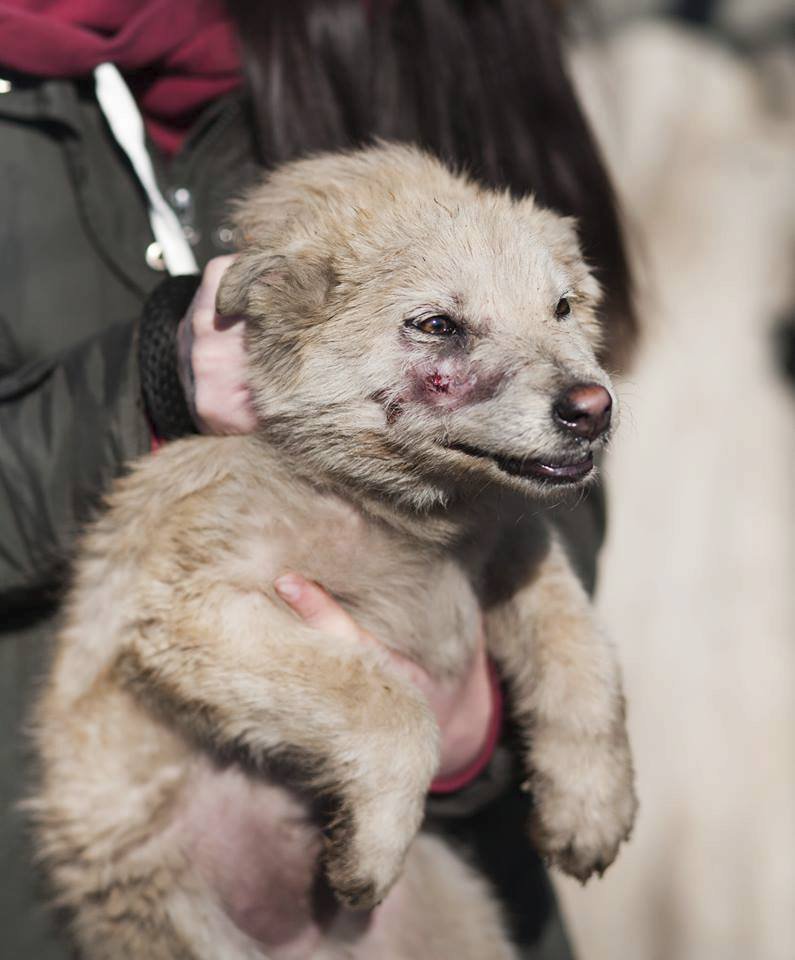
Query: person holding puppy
[(88, 385)]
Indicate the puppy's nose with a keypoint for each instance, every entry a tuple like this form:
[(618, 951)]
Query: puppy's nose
[(584, 409)]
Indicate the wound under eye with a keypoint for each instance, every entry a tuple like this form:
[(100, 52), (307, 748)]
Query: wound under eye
[(438, 382), (447, 384)]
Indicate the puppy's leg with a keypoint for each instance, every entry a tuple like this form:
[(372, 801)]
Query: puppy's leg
[(441, 909), (249, 680), (107, 815), (132, 920), (567, 694), (141, 919)]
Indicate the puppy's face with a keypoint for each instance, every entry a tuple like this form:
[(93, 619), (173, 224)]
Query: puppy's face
[(427, 340)]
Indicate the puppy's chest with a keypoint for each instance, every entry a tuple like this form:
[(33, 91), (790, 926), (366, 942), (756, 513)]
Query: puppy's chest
[(418, 599)]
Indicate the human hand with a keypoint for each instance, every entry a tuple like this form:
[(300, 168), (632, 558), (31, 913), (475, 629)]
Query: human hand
[(211, 360), (463, 707)]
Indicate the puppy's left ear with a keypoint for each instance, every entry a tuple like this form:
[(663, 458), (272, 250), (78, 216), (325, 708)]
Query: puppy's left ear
[(249, 269), (291, 284)]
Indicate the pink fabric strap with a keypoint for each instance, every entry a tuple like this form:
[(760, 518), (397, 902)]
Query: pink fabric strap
[(456, 781)]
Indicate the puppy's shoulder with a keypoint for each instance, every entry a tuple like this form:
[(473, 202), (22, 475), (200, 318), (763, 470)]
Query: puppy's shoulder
[(161, 491)]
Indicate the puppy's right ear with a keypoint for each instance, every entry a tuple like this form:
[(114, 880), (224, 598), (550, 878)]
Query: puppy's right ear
[(242, 282)]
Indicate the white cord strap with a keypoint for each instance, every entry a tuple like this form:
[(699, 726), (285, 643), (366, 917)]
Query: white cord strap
[(127, 126)]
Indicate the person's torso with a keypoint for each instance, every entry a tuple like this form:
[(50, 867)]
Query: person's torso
[(77, 251)]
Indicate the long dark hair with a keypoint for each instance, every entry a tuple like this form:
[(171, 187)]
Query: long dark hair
[(480, 83)]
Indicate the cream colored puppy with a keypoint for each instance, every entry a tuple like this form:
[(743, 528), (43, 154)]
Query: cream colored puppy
[(422, 359)]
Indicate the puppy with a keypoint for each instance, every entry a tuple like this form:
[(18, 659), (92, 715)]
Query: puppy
[(422, 361)]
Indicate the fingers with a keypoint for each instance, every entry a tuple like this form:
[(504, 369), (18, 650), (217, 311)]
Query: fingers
[(320, 611), (316, 608), (222, 399), (204, 301), (212, 360)]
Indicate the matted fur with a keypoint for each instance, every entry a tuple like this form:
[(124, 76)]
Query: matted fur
[(190, 716)]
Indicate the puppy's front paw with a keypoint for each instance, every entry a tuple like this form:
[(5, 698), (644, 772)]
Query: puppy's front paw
[(379, 814), (584, 800), (367, 845)]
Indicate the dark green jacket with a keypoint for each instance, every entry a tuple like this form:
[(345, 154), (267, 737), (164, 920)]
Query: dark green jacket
[(74, 274), (73, 278)]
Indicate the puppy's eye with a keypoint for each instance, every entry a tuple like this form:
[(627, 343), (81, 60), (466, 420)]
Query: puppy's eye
[(563, 309), (439, 326)]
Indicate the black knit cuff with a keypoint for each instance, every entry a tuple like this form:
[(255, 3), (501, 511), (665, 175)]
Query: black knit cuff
[(162, 390)]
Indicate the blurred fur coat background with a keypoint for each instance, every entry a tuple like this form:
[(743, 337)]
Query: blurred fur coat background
[(697, 578)]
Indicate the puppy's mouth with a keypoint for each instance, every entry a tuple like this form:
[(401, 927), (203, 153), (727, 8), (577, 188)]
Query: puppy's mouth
[(549, 471)]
